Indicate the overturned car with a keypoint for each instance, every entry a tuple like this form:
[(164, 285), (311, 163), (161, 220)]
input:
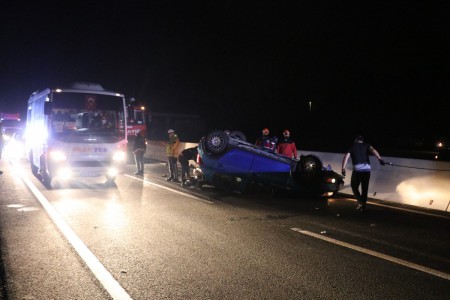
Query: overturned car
[(226, 156)]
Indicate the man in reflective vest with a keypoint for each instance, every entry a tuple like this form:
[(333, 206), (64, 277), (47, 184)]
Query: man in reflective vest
[(172, 154)]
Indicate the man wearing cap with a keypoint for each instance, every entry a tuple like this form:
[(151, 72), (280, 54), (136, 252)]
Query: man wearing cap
[(359, 152), (287, 146), (172, 154), (139, 148)]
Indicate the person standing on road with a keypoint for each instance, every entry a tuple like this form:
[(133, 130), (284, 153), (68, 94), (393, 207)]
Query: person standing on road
[(287, 146), (185, 156), (172, 153), (359, 153), (139, 148), (267, 142)]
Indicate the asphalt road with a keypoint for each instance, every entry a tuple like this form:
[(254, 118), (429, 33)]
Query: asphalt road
[(147, 238)]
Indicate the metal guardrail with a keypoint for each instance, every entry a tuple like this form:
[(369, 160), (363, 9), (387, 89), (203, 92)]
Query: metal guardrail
[(423, 186)]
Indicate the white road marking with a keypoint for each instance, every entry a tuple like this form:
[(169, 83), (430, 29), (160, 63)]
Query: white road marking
[(26, 209), (411, 211), (146, 181), (403, 209), (107, 280), (15, 205), (376, 254)]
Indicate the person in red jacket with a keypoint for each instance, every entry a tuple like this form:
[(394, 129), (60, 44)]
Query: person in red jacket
[(286, 146)]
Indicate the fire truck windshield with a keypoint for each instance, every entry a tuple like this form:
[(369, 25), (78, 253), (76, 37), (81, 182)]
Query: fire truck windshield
[(76, 117)]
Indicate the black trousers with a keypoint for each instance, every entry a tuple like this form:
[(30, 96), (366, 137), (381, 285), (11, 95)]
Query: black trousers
[(360, 179), (173, 168), (185, 172), (139, 158)]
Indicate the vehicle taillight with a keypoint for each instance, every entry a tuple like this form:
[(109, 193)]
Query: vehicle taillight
[(331, 180)]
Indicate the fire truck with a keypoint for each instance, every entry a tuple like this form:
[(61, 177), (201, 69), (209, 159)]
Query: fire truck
[(11, 123), (138, 119), (77, 131)]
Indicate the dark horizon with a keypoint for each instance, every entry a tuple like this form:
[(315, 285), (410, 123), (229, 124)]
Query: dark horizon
[(381, 71)]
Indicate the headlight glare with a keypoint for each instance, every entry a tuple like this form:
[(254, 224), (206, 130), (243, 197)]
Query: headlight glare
[(58, 155), (119, 156), (112, 172), (64, 173)]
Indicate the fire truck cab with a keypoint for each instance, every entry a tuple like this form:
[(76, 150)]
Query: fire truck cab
[(138, 118), (11, 124)]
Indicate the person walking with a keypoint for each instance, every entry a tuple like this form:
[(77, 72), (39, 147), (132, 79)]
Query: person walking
[(139, 148), (185, 156), (267, 142), (287, 146), (172, 153), (359, 153)]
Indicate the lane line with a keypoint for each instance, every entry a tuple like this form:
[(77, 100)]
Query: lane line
[(385, 243), (115, 290), (411, 211), (402, 209), (375, 253), (146, 181)]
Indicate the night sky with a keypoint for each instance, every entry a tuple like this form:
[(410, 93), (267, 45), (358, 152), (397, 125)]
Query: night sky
[(375, 68)]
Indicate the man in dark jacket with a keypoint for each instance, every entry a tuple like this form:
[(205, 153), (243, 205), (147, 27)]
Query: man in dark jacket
[(266, 142), (359, 152), (139, 148), (185, 156)]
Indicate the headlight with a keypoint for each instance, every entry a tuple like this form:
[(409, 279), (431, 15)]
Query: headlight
[(58, 155), (64, 173), (112, 172), (119, 156)]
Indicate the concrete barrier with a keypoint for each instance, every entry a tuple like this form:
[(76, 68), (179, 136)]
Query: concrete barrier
[(414, 182), (157, 149)]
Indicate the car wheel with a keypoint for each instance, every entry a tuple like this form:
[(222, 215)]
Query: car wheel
[(47, 180), (238, 136), (309, 167), (34, 169), (110, 181), (216, 142)]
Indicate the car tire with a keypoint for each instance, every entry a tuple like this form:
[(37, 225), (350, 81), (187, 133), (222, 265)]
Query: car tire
[(34, 169), (216, 142), (238, 136), (110, 181), (47, 180), (309, 167)]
